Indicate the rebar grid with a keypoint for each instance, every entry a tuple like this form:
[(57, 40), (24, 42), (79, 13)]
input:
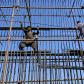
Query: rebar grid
[(60, 53)]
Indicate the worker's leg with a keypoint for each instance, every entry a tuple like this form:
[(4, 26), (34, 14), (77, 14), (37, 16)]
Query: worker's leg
[(22, 45), (83, 61), (33, 46), (81, 35), (21, 58)]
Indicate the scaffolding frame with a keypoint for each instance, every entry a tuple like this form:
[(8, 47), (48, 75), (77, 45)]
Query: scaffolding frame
[(60, 53)]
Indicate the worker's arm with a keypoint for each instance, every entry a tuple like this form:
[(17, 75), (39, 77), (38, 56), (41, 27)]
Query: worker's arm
[(25, 31), (34, 33), (79, 25)]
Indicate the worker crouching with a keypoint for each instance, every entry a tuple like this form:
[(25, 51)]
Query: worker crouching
[(29, 38)]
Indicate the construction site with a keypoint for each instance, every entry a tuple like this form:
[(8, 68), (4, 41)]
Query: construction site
[(57, 56)]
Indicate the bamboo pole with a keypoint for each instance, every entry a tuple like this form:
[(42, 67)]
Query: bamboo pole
[(41, 7), (6, 53)]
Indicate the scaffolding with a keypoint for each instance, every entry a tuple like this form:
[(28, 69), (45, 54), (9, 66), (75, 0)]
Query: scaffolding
[(60, 55)]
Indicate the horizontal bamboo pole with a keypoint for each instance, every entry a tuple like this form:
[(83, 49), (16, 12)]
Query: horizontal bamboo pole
[(41, 7), (45, 40), (41, 28), (45, 15), (41, 53), (65, 79)]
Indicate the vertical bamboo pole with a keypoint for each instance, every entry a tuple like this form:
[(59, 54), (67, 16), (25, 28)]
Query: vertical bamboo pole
[(8, 45)]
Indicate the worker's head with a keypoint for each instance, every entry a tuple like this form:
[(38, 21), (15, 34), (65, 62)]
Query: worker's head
[(78, 22), (20, 82), (29, 28)]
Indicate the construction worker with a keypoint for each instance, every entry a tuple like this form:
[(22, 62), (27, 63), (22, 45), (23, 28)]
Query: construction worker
[(29, 38), (80, 26)]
